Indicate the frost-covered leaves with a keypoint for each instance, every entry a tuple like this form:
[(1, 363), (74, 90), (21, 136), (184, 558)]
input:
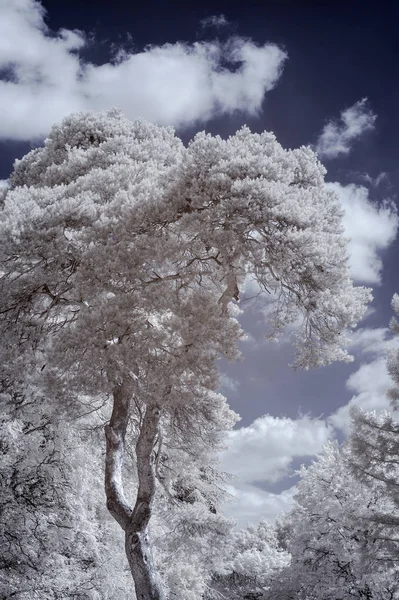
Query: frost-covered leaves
[(374, 446), (393, 356), (123, 254), (338, 548), (53, 525), (122, 244), (252, 559), (188, 531), (273, 219), (374, 443)]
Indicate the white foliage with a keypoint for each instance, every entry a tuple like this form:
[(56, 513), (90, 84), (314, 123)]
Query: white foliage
[(55, 537), (123, 254), (107, 216), (337, 546)]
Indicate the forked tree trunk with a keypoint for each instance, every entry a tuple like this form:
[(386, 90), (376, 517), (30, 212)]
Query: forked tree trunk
[(134, 521)]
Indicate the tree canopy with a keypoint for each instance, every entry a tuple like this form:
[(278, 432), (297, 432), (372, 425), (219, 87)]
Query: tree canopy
[(124, 255)]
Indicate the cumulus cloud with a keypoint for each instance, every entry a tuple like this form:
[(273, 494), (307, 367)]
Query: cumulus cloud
[(263, 451), (250, 504), (370, 227), (337, 137), (370, 382), (369, 340), (215, 21), (46, 78)]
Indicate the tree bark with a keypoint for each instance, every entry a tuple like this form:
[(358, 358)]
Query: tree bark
[(115, 433), (134, 522), (137, 545)]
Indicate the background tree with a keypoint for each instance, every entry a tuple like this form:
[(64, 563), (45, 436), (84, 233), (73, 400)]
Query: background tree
[(339, 535), (122, 253), (253, 558), (55, 539), (374, 445), (325, 534)]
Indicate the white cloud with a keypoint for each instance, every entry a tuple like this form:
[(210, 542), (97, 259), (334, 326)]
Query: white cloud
[(376, 181), (369, 340), (370, 382), (370, 227), (264, 450), (177, 84), (337, 137), (215, 21), (3, 184), (250, 504), (382, 179)]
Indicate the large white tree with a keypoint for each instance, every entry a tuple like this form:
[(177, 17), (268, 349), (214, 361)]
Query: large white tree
[(123, 256)]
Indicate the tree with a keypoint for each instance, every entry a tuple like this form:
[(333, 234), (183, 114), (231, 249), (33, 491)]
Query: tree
[(123, 255), (331, 531), (253, 558), (189, 532), (374, 445), (393, 356), (340, 534), (54, 543), (374, 449), (189, 537), (54, 528)]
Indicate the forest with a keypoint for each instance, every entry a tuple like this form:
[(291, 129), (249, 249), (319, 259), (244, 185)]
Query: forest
[(124, 256)]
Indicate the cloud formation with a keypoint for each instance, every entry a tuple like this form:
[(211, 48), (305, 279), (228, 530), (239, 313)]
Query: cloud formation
[(45, 77), (250, 504), (215, 21), (382, 178), (371, 381), (366, 341), (370, 227), (263, 451), (227, 384), (337, 137)]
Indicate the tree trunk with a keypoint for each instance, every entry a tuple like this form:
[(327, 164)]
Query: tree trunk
[(134, 521), (138, 549)]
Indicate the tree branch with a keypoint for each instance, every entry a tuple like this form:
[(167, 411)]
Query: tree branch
[(115, 432)]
